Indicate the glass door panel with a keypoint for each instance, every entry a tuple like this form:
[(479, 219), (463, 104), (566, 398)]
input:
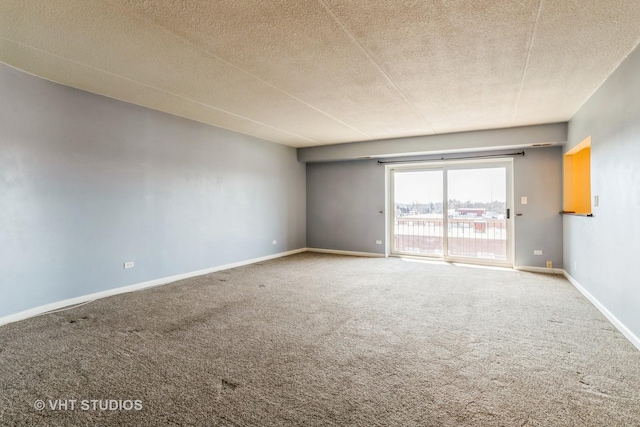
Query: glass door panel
[(477, 213), (418, 212)]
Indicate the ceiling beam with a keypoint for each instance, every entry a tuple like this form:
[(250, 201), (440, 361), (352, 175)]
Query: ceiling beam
[(483, 140)]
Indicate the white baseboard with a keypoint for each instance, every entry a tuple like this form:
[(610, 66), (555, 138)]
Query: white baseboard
[(539, 269), (135, 287), (351, 253), (613, 319)]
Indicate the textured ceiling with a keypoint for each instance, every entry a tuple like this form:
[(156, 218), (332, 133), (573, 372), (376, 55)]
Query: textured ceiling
[(314, 72)]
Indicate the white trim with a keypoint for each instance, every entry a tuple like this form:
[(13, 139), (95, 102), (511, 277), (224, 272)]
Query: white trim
[(135, 287), (488, 262), (613, 319), (351, 253), (388, 210), (538, 269), (421, 258)]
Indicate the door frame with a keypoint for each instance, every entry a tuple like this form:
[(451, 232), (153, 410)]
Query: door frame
[(445, 166)]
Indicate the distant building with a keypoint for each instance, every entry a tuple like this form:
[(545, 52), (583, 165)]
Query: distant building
[(471, 212)]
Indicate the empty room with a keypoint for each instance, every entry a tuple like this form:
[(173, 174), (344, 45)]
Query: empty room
[(319, 212)]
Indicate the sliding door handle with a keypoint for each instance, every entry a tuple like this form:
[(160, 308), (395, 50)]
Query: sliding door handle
[(509, 214)]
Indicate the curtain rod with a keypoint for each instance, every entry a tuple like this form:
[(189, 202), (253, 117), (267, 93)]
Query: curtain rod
[(486, 156)]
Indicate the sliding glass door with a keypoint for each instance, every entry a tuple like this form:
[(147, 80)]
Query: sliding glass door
[(477, 206), (454, 211), (418, 211)]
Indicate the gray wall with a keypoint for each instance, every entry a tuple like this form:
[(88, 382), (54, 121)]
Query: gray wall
[(87, 183), (344, 200), (602, 253), (538, 176), (491, 139)]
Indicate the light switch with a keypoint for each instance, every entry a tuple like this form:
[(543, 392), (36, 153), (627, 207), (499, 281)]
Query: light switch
[(596, 201), (523, 200)]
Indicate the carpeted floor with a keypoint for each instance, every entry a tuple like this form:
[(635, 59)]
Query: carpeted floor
[(327, 340)]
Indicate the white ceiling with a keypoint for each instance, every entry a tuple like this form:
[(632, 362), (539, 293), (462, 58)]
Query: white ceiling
[(315, 72)]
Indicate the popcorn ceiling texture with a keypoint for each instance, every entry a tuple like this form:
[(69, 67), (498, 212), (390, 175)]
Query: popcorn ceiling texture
[(303, 73)]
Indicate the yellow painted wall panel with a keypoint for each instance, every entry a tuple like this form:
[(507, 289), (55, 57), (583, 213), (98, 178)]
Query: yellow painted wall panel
[(569, 200), (582, 180), (577, 178)]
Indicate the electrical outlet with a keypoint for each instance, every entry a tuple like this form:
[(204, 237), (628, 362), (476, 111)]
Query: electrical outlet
[(128, 264), (274, 242), (549, 264), (378, 242), (537, 252)]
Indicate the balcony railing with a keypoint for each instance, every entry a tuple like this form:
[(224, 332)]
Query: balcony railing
[(467, 237)]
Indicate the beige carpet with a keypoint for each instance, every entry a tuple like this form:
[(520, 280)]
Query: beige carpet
[(327, 340)]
